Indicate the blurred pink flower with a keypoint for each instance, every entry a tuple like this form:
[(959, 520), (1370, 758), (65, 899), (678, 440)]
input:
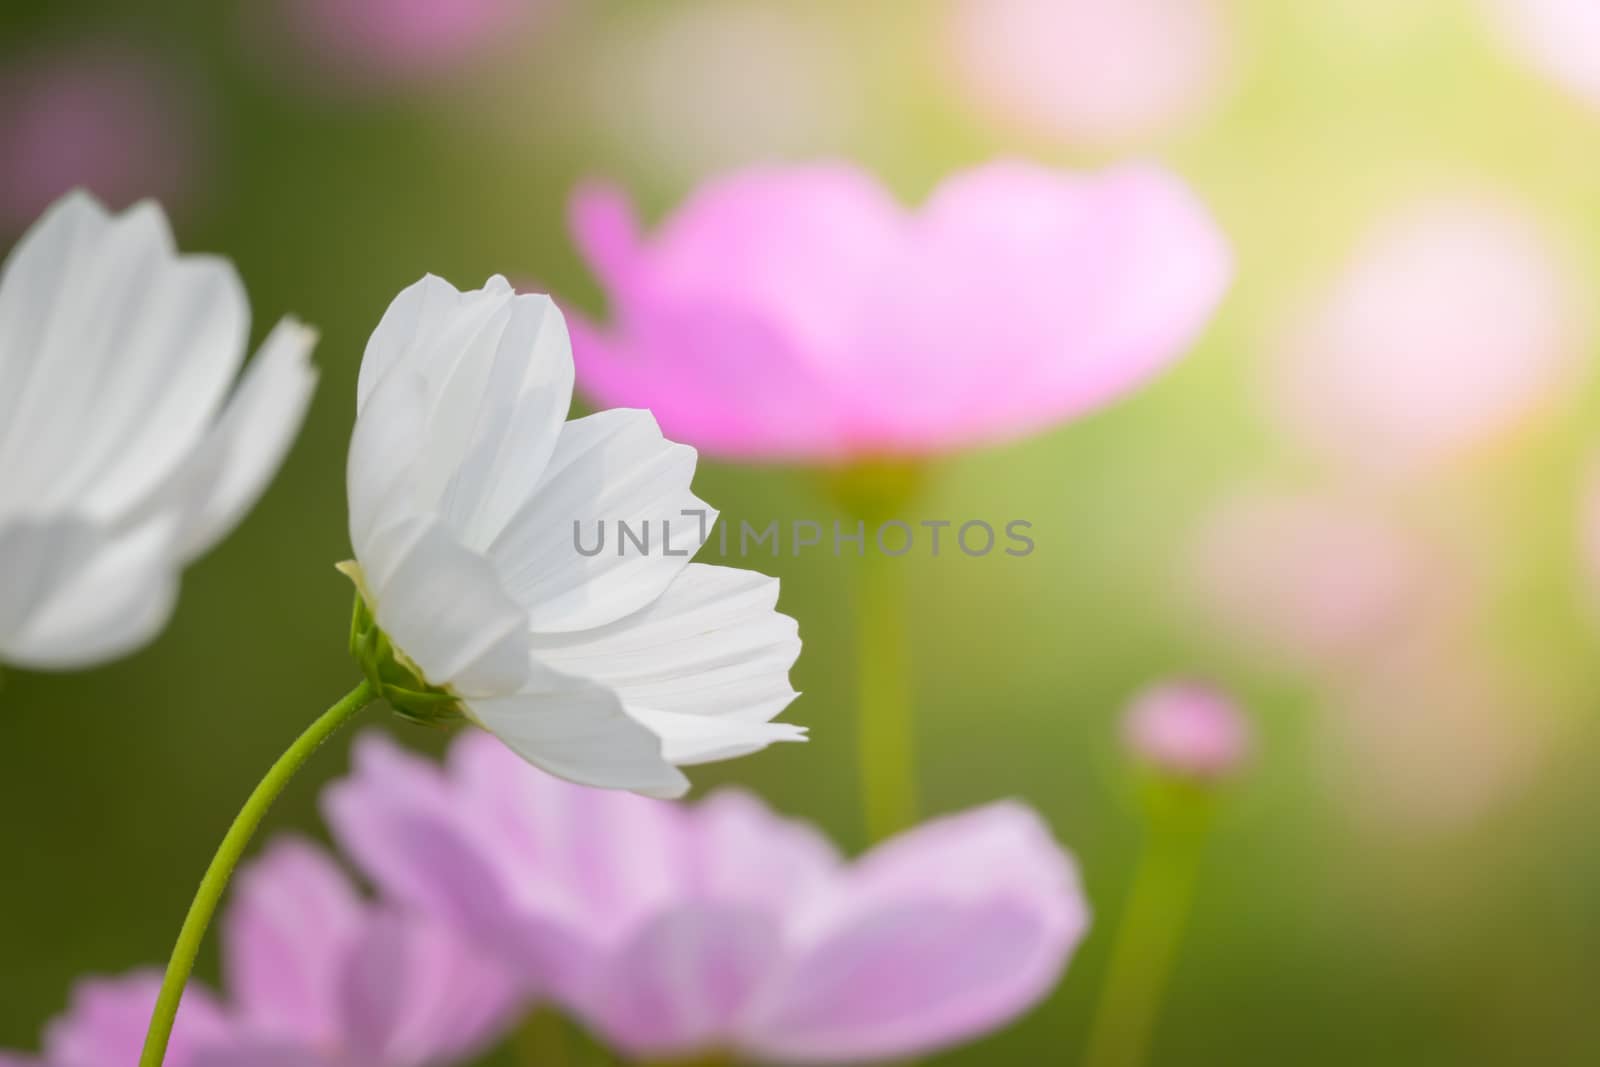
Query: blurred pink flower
[(690, 88), (100, 116), (1187, 730), (674, 931), (105, 1022), (1558, 38), (802, 314), (1089, 70), (319, 976), (1453, 323), (365, 43), (1317, 578), (1433, 735)]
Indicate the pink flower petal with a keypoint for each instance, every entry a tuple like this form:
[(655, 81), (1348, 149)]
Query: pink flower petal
[(800, 313), (941, 934), (290, 917), (106, 1020)]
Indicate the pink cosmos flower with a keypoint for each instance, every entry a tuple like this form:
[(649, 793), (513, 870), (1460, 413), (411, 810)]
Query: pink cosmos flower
[(1088, 70), (1187, 730), (1559, 38), (391, 42), (104, 117), (105, 1022), (675, 931), (318, 976), (802, 314), (1455, 321)]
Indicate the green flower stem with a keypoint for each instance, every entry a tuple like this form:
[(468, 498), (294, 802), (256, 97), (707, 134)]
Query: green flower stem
[(227, 857), (883, 713), (541, 1040), (1150, 930)]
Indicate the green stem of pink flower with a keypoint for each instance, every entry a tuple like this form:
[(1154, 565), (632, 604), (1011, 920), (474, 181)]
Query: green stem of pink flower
[(883, 715), (1149, 934), (234, 842)]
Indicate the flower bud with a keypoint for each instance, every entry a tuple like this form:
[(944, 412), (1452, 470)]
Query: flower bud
[(1187, 730)]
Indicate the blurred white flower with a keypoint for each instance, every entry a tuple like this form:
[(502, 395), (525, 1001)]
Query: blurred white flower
[(1454, 322), (1089, 70), (1558, 38), (123, 454), (468, 492)]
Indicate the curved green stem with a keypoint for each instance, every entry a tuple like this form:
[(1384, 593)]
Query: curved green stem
[(1148, 934), (883, 717), (232, 848)]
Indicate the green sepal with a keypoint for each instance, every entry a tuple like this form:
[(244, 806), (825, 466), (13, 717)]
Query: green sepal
[(394, 676)]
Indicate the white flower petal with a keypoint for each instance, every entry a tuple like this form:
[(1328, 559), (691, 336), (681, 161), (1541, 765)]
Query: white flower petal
[(467, 495), (227, 472), (39, 555), (579, 731), (443, 606), (614, 467), (117, 600), (117, 354), (383, 446), (495, 369), (425, 328), (513, 441), (712, 644), (691, 739)]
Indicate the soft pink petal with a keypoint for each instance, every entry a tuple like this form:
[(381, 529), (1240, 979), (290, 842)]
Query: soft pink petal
[(800, 313), (106, 1021), (291, 918), (938, 936), (741, 852), (493, 851), (681, 982), (412, 993), (1027, 298)]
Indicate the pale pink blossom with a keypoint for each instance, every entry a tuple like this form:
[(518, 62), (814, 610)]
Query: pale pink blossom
[(676, 931), (105, 1022), (1089, 70), (1433, 735), (1187, 730), (1558, 38), (1315, 578), (319, 977), (802, 314), (1455, 322)]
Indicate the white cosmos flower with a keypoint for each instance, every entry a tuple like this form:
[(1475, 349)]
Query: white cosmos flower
[(123, 454), (465, 482)]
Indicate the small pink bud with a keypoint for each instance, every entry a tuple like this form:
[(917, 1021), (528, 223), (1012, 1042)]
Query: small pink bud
[(1187, 730)]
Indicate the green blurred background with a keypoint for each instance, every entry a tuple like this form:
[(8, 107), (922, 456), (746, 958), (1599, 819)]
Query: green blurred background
[(1346, 913)]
